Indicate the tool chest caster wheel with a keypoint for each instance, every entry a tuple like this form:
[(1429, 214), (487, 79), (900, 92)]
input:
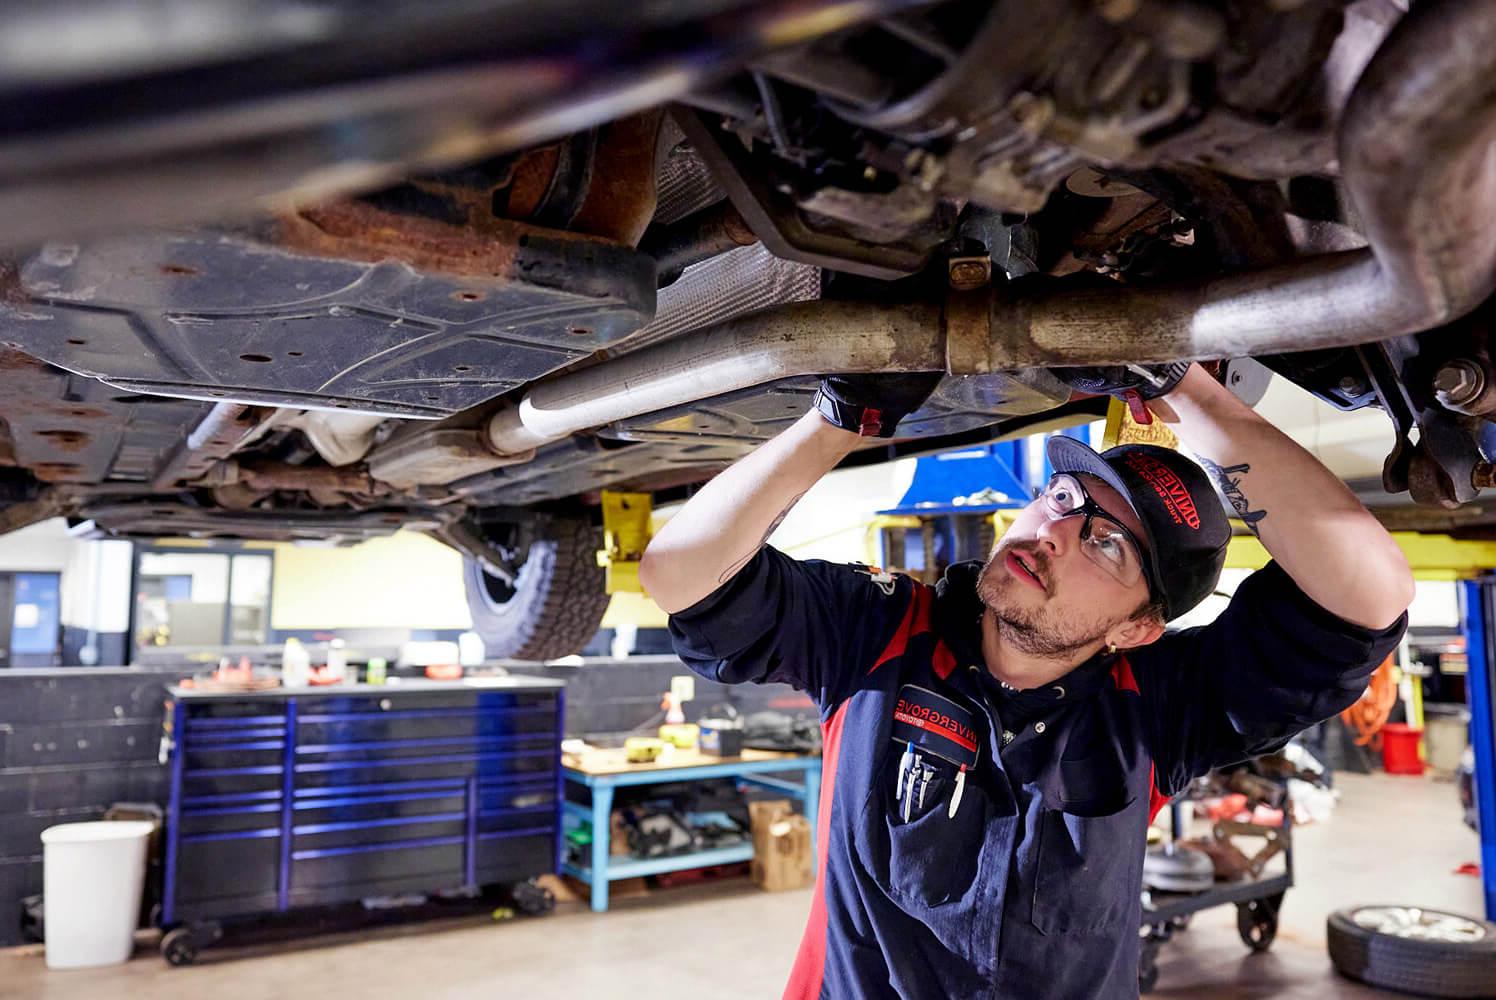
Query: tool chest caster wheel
[(178, 947)]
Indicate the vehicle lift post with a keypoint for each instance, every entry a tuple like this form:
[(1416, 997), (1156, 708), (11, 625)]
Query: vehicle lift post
[(1478, 613)]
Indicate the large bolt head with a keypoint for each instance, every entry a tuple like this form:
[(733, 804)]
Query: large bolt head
[(1458, 382)]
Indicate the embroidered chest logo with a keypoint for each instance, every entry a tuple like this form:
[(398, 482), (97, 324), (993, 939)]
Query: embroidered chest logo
[(936, 725)]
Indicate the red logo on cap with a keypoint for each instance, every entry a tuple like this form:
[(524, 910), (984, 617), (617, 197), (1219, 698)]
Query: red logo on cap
[(1168, 486)]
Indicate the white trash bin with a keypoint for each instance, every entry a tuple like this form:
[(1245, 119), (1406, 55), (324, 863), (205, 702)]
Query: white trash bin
[(92, 878)]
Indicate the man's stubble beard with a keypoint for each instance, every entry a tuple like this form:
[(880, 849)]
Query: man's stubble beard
[(1038, 631)]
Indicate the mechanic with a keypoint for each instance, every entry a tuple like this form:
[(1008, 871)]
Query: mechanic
[(996, 746)]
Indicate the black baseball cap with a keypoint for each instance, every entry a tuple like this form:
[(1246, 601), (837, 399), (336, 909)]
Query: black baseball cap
[(1185, 524)]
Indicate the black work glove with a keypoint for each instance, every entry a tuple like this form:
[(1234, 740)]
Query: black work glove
[(873, 405), (1130, 383)]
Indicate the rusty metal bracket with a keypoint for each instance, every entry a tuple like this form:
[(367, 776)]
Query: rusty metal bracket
[(968, 337)]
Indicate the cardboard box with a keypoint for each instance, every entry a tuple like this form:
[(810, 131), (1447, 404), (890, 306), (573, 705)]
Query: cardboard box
[(785, 862), (570, 890), (761, 816), (618, 835)]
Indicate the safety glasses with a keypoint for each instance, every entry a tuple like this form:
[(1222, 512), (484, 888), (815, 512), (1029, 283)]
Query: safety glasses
[(1104, 539)]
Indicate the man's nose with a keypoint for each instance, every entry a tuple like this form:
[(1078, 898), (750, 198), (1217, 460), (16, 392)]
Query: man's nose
[(1058, 535)]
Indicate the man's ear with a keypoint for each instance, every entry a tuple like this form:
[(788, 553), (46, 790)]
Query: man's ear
[(1135, 632)]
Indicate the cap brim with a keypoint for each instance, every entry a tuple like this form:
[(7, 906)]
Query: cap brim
[(1069, 455)]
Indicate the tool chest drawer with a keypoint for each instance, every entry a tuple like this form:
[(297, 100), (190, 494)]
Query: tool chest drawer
[(426, 767), (291, 798)]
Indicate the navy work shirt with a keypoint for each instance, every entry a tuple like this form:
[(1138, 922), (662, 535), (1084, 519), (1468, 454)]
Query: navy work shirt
[(1033, 887)]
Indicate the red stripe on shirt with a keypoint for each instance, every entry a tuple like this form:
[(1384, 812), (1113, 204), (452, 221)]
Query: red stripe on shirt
[(810, 961), (944, 661), (1122, 676), (916, 621), (1156, 799)]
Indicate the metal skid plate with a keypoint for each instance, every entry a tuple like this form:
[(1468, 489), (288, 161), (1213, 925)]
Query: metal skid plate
[(582, 465), (695, 440), (225, 316), (155, 518)]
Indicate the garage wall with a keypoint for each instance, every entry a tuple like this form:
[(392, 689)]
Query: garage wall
[(404, 581), (45, 547)]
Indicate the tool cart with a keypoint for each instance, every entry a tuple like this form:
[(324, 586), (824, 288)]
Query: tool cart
[(1183, 888), (288, 800)]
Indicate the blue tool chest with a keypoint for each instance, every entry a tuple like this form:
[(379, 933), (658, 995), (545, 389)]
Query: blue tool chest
[(304, 797)]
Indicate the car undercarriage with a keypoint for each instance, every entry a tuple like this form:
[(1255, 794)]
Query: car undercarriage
[(325, 270)]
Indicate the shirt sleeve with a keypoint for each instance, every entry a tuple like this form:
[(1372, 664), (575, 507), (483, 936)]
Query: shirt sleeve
[(814, 625), (1272, 665)]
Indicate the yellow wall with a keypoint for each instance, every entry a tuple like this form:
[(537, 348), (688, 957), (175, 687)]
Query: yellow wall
[(406, 580)]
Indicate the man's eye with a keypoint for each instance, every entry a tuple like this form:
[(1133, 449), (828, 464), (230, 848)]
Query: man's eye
[(1111, 548)]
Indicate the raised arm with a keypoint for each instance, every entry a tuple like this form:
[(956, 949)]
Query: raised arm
[(1311, 524), (720, 529)]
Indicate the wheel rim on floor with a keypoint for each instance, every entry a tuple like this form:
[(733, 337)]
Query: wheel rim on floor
[(1417, 923)]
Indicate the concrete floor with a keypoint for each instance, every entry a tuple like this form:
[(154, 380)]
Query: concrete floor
[(1391, 840)]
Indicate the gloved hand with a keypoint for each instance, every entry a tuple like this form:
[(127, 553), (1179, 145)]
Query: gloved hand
[(1130, 383), (873, 405)]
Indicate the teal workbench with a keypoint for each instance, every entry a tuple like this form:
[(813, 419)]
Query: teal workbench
[(601, 771)]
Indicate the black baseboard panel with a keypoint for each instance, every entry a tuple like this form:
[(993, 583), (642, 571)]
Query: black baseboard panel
[(73, 741)]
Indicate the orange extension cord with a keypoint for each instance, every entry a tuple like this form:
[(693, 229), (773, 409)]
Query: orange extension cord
[(1369, 714)]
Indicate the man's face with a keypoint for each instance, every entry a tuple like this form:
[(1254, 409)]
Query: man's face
[(1046, 595)]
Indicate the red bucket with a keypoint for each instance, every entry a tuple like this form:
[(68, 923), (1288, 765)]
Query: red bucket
[(1400, 749)]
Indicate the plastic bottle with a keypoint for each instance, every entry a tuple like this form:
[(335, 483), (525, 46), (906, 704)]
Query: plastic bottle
[(376, 671), (337, 661), (296, 663)]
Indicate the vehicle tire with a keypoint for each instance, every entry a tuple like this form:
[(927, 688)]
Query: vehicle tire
[(558, 599), (1430, 952)]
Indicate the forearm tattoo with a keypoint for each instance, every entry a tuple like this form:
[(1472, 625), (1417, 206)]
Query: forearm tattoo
[(1229, 480), (732, 570)]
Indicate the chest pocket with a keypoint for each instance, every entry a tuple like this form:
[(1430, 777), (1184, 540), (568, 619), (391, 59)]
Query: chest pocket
[(1091, 841), (932, 858)]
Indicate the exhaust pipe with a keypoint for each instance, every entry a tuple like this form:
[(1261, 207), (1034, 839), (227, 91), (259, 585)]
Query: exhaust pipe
[(1416, 158), (802, 338)]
